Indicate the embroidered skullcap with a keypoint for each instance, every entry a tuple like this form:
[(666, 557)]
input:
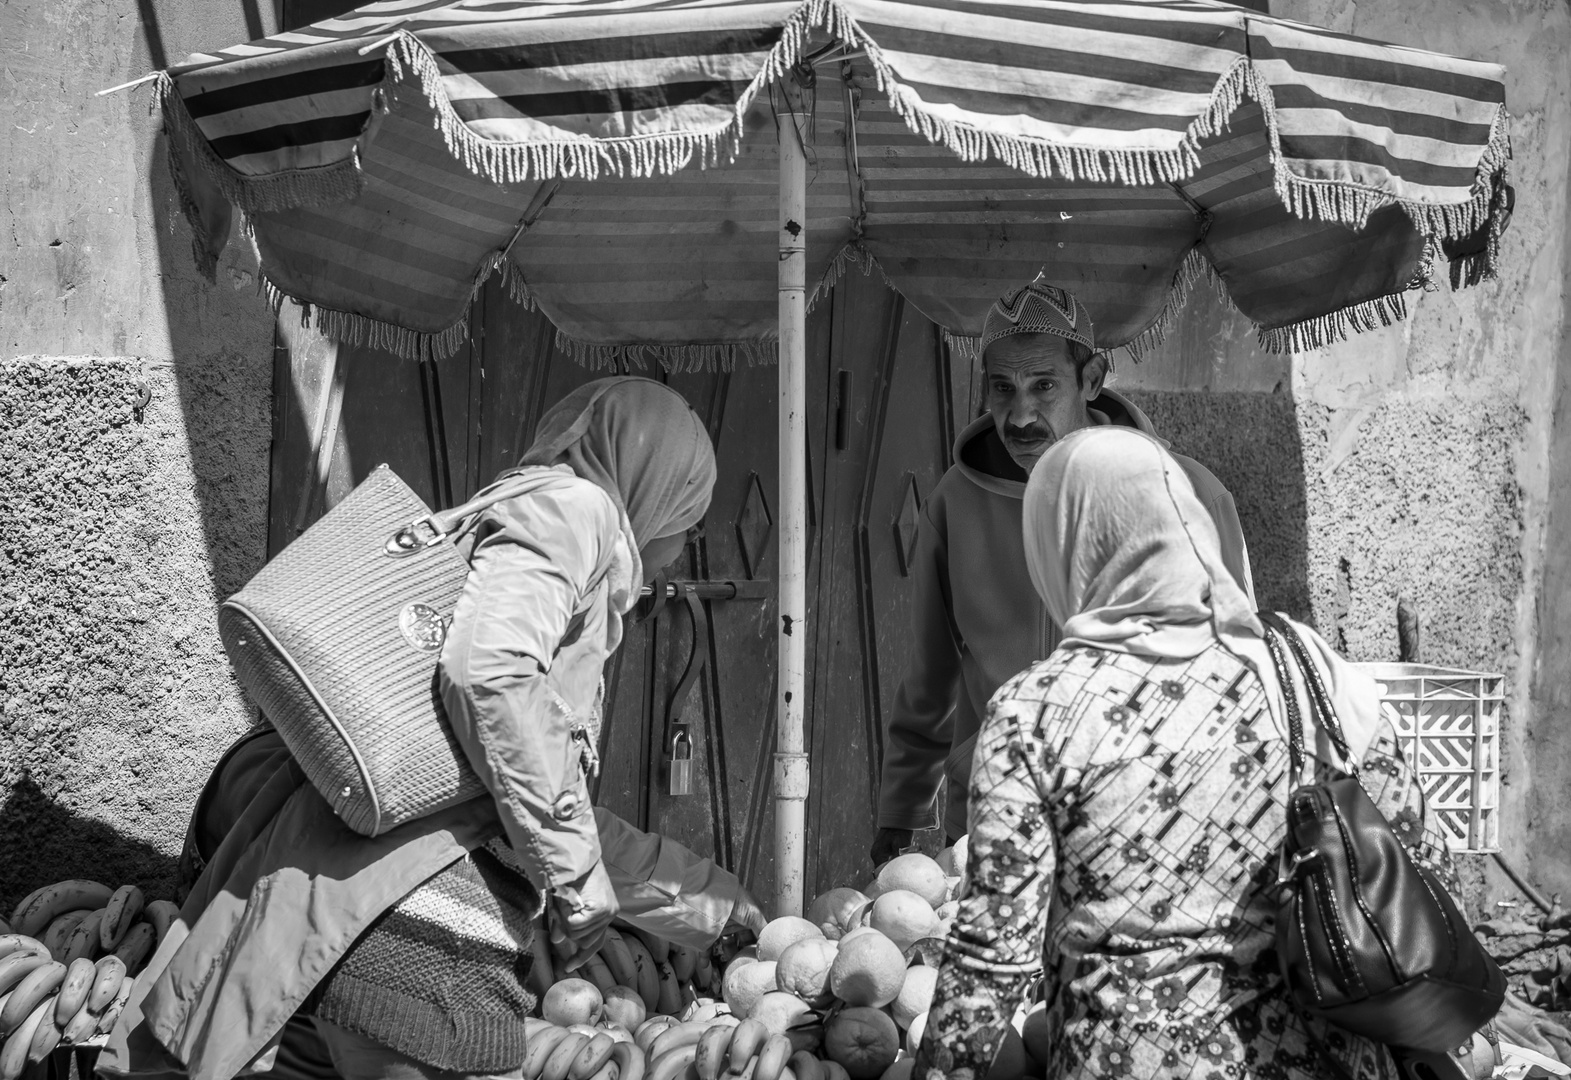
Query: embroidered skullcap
[(1038, 308)]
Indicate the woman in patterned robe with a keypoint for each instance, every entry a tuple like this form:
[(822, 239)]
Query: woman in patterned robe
[(1126, 803)]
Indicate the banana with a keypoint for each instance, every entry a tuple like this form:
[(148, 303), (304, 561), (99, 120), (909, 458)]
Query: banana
[(12, 943), (162, 914), (80, 975), (592, 1058), (596, 971), (649, 1030), (45, 1039), (772, 1058), (5, 927), (674, 1064), (120, 914), (540, 1046), (630, 1061), (136, 947), (806, 1036), (648, 977), (806, 1066), (18, 966), (562, 1057), (60, 930), (747, 1070), (684, 962), (704, 973), (106, 1022), (84, 939), (712, 1047), (787, 1074), (13, 1056), (42, 907), (80, 1027), (658, 947), (674, 1036), (619, 960), (746, 1042), (833, 1070), (108, 974), (669, 990), (40, 983), (22, 906)]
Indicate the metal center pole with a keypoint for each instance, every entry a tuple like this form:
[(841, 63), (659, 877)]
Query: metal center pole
[(791, 772)]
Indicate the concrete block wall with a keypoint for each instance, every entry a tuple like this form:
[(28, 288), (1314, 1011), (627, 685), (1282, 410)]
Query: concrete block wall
[(117, 536)]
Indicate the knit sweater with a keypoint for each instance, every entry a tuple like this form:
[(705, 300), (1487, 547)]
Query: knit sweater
[(441, 976)]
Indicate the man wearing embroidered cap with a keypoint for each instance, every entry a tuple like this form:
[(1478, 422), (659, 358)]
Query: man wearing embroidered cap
[(978, 620)]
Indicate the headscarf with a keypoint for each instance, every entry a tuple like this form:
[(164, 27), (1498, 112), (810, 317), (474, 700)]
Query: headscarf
[(1038, 308), (642, 443), (1127, 559)]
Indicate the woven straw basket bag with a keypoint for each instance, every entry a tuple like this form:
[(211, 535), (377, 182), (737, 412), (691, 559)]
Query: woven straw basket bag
[(337, 640)]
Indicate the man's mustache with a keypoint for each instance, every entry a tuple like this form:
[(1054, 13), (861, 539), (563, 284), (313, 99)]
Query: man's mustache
[(1029, 433)]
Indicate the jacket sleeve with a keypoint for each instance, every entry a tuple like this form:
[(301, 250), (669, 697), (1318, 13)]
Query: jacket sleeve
[(921, 724), (662, 887), (529, 575), (1219, 502)]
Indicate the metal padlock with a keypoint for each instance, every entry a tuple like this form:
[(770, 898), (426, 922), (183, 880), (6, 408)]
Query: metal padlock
[(681, 762)]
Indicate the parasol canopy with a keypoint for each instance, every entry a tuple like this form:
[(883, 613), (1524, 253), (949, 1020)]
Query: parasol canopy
[(391, 159)]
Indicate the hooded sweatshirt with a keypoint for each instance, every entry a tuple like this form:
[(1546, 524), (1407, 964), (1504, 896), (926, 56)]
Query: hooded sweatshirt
[(978, 619)]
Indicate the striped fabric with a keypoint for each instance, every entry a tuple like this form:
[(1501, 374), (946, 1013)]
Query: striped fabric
[(389, 160)]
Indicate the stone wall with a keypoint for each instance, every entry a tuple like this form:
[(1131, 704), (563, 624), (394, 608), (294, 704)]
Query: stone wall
[(120, 534)]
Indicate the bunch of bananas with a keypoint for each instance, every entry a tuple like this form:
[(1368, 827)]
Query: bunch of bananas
[(69, 957)]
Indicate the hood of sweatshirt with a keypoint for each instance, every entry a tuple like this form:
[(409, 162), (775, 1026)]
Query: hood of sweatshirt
[(981, 458)]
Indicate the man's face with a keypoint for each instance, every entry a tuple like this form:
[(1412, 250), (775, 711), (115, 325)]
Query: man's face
[(1033, 394)]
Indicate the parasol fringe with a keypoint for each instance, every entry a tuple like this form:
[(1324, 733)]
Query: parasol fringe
[(674, 359), (338, 182), (1325, 330), (851, 256), (362, 331), (582, 158), (1351, 204), (1192, 269), (964, 346)]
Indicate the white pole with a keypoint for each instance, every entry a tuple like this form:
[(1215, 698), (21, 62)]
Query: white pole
[(791, 772)]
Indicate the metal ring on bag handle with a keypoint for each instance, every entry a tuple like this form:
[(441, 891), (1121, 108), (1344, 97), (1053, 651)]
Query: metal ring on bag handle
[(407, 541)]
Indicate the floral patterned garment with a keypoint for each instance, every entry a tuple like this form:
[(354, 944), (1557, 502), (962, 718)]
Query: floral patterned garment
[(1126, 814)]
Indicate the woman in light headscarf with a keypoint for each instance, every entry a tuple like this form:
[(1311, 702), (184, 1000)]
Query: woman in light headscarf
[(317, 953), (1126, 803)]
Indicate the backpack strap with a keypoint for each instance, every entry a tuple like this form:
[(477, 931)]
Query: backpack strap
[(1319, 699), (1284, 674)]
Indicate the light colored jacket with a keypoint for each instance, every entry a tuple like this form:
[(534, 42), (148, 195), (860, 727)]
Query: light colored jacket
[(290, 887), (978, 620)]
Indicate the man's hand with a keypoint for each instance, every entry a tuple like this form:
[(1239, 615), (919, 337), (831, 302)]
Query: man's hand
[(579, 914), (746, 916), (889, 843)]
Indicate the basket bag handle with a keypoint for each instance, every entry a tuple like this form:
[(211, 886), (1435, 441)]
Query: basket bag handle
[(431, 529)]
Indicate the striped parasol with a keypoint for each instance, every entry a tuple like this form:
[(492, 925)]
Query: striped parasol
[(391, 159)]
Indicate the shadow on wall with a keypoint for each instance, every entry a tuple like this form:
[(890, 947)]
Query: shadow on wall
[(46, 842), (1251, 442)]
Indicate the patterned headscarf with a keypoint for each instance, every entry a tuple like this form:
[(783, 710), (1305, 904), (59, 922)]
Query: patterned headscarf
[(642, 443), (1038, 308), (1127, 559)]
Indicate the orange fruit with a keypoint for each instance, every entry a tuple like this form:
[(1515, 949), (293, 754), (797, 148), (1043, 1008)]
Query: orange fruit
[(572, 1001), (778, 1010), (782, 933), (868, 970), (744, 985), (832, 911), (903, 917), (856, 932), (803, 970), (863, 1041), (916, 994), (917, 873)]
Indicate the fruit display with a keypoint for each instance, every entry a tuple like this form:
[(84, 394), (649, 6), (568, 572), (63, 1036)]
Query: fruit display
[(69, 956), (840, 994)]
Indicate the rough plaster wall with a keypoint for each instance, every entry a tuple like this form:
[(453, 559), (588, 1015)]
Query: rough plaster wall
[(121, 537)]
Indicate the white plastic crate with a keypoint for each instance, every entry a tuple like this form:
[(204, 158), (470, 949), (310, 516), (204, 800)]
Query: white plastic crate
[(1448, 721)]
